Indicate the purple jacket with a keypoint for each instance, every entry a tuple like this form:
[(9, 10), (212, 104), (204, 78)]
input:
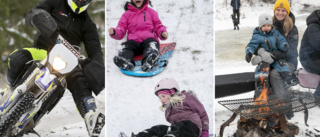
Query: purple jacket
[(141, 24), (192, 110)]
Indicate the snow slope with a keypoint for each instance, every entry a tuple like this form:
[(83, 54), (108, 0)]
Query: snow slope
[(131, 103), (225, 64)]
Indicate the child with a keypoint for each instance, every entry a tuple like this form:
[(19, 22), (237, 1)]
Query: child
[(183, 110), (266, 39), (144, 28)]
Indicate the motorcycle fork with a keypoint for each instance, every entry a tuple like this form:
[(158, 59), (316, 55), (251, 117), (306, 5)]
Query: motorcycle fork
[(31, 117)]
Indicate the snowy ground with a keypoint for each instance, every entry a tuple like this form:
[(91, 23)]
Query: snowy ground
[(229, 55), (131, 103)]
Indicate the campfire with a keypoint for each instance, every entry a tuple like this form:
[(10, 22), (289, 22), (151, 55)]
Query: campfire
[(272, 126), (264, 115), (263, 123)]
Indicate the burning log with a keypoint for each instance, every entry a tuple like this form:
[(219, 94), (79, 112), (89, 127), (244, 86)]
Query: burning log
[(269, 127)]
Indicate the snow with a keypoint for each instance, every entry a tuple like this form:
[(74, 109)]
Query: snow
[(131, 103), (249, 14), (229, 55)]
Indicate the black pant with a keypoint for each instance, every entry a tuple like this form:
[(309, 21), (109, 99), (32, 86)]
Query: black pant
[(184, 128), (236, 12), (17, 65), (132, 48)]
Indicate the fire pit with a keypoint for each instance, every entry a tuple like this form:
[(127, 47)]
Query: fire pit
[(264, 117), (270, 126)]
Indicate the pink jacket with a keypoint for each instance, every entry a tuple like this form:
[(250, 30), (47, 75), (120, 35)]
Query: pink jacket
[(191, 109), (141, 24)]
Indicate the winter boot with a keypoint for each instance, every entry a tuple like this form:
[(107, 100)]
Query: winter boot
[(94, 120), (150, 62), (123, 63), (290, 80)]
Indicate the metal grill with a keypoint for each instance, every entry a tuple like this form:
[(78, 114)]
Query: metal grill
[(248, 108)]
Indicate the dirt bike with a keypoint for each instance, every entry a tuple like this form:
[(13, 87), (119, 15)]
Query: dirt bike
[(39, 89)]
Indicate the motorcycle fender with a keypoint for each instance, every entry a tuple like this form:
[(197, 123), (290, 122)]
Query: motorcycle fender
[(17, 93), (26, 117)]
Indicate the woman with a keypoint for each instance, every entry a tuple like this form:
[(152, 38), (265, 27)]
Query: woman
[(310, 48), (283, 21)]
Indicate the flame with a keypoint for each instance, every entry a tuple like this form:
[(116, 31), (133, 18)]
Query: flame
[(263, 98)]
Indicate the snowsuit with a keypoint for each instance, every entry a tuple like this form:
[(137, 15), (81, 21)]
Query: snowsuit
[(310, 47), (236, 6), (75, 28), (143, 27), (275, 42), (291, 57), (188, 119)]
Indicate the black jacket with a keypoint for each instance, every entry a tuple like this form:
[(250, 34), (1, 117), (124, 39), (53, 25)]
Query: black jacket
[(292, 39), (75, 28), (310, 43), (235, 4)]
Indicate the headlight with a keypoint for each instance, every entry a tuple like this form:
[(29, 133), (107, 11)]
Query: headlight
[(58, 63)]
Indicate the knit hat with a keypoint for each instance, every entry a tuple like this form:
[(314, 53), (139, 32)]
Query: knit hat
[(265, 18), (282, 3)]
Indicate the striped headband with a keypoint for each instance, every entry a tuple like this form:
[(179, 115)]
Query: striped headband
[(167, 92)]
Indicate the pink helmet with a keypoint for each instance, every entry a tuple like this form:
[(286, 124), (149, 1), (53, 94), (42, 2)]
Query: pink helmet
[(166, 83)]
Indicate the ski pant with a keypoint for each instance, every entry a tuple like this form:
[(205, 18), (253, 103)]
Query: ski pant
[(283, 70), (17, 60), (236, 14), (131, 48), (184, 128), (312, 65), (278, 89)]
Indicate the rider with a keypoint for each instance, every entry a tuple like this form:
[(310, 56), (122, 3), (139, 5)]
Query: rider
[(76, 26)]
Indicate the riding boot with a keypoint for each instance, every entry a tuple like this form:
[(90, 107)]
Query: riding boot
[(94, 120)]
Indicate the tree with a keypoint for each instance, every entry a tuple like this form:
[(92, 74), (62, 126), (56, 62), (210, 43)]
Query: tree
[(15, 34)]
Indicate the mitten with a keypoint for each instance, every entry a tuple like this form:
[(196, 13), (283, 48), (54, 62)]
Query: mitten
[(248, 57), (265, 56), (256, 60), (278, 55)]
